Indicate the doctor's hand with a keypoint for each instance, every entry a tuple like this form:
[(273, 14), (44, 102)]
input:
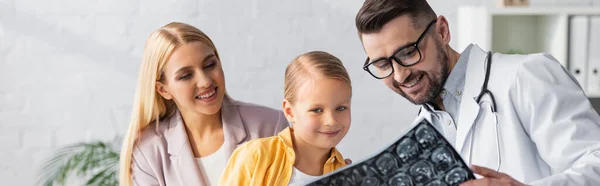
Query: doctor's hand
[(491, 178)]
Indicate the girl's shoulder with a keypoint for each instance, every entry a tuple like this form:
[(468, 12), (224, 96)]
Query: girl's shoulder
[(261, 146), (264, 150)]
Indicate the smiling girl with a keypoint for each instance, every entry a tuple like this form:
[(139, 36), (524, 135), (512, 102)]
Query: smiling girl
[(317, 92)]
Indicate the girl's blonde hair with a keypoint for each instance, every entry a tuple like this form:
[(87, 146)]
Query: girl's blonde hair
[(312, 64), (148, 106)]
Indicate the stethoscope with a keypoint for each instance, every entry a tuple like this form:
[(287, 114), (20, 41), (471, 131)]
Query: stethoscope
[(485, 91)]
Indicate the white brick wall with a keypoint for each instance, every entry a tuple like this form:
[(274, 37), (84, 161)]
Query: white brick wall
[(68, 67)]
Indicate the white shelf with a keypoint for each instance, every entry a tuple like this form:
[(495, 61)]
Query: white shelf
[(522, 29), (505, 29), (527, 30), (545, 11)]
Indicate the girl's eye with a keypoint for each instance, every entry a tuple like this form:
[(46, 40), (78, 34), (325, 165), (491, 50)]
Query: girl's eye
[(317, 110), (342, 108)]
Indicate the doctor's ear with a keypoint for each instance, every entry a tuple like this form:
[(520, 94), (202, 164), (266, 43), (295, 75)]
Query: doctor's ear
[(287, 111), (442, 30)]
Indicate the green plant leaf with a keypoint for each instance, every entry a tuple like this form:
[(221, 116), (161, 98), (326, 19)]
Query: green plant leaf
[(98, 160), (98, 176)]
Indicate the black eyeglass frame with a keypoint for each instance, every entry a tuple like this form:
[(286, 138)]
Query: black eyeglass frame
[(389, 59)]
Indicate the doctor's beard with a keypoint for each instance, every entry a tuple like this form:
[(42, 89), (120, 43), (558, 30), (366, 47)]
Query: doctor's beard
[(437, 78)]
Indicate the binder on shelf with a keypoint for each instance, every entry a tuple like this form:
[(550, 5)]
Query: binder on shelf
[(578, 48), (593, 68), (512, 3), (558, 3)]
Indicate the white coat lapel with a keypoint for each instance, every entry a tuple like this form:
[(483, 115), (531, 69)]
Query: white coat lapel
[(469, 108)]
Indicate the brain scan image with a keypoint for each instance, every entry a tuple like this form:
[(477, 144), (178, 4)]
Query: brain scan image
[(401, 179), (356, 175), (426, 136), (370, 181), (437, 183), (407, 149), (443, 158), (386, 163), (421, 157), (338, 180), (456, 176), (422, 172), (363, 171)]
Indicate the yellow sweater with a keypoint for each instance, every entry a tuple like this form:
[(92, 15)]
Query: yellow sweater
[(268, 161)]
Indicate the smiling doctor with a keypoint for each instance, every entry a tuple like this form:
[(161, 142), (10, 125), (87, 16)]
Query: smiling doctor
[(523, 119)]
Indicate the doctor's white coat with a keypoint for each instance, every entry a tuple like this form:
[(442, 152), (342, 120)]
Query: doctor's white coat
[(548, 132)]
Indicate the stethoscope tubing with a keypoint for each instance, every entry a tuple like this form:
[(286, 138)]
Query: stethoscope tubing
[(486, 91)]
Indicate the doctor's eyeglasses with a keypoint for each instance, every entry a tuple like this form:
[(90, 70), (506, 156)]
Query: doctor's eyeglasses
[(405, 56)]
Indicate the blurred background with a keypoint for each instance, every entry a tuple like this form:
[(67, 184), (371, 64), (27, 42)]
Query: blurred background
[(68, 68)]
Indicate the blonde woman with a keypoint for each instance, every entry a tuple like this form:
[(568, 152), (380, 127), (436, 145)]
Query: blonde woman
[(184, 126)]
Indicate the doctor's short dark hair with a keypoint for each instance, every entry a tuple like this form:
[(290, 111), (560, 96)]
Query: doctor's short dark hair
[(375, 13)]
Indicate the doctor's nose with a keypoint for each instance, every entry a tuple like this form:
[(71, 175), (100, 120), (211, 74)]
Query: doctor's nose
[(400, 72)]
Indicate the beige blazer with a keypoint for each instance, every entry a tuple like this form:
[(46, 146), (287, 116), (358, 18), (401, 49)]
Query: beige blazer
[(163, 155)]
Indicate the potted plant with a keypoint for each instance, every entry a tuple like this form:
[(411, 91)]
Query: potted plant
[(96, 162)]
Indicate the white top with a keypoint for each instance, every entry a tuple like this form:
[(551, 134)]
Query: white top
[(212, 166), (300, 178)]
